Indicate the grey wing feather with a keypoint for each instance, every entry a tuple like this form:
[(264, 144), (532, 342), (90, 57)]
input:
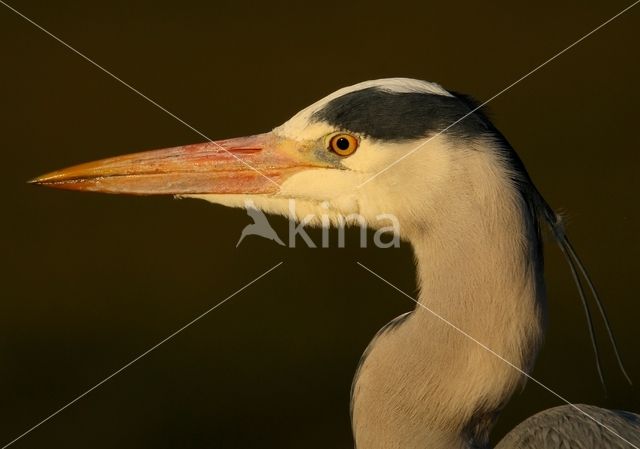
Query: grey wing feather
[(565, 427)]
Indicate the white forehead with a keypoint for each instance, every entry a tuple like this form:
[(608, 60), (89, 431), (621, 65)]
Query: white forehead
[(300, 126)]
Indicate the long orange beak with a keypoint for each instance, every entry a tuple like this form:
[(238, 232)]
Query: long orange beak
[(254, 164)]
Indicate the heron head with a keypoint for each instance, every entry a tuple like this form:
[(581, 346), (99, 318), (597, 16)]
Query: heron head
[(372, 148)]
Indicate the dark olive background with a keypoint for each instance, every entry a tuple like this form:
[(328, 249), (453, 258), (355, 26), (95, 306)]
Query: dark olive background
[(91, 281)]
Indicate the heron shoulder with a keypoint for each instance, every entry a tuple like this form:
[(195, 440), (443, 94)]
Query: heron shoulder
[(567, 427)]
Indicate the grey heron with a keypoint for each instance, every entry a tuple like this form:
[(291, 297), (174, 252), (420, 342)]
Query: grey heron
[(469, 209)]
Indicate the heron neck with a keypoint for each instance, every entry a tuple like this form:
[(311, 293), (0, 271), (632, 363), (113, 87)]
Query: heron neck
[(436, 380)]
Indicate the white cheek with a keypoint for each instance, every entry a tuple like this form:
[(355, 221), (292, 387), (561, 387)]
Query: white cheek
[(337, 187), (368, 158), (374, 156)]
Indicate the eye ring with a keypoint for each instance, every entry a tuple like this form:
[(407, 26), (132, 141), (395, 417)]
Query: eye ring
[(343, 144)]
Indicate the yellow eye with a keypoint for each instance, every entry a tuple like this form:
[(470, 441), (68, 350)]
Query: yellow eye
[(343, 144)]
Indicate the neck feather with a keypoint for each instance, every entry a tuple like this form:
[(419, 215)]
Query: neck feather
[(423, 384)]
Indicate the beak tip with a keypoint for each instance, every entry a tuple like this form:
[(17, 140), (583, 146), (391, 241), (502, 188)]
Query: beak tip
[(41, 180), (49, 179), (36, 180)]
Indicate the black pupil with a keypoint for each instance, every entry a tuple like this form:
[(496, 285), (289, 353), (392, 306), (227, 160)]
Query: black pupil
[(343, 143)]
